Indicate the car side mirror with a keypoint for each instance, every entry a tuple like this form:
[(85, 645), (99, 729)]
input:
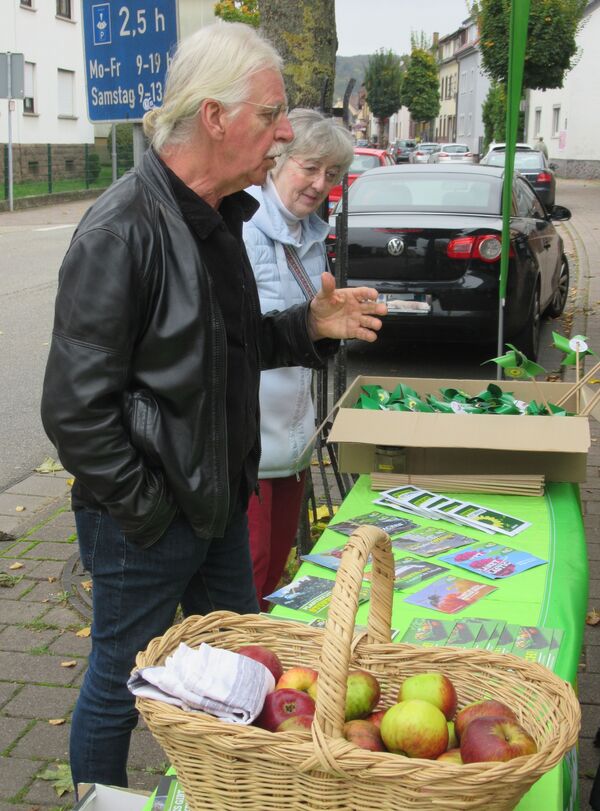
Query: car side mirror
[(560, 213)]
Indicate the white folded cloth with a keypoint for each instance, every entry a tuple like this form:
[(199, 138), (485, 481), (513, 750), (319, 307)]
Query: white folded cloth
[(220, 682)]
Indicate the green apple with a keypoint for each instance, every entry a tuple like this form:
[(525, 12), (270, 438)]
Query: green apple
[(362, 694), (433, 687), (415, 728), (452, 736)]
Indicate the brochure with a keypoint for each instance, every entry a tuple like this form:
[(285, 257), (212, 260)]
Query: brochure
[(169, 795), (489, 520), (429, 541), (409, 571), (429, 633), (450, 594), (494, 560), (310, 594), (392, 524)]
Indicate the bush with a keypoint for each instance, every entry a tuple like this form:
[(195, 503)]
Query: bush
[(93, 167)]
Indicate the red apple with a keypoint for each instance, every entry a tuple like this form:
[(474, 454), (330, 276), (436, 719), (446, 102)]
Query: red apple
[(415, 728), (362, 694), (265, 656), (491, 739), (452, 736), (297, 723), (364, 734), (299, 678), (451, 756), (433, 687), (282, 704), (376, 717), (486, 708)]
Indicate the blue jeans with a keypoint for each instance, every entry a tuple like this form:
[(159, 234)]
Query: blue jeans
[(135, 595)]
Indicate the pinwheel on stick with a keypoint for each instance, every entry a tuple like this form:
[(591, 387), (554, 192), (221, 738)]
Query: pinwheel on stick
[(517, 366), (575, 349)]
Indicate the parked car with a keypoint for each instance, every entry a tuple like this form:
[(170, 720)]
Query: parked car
[(534, 166), (362, 142), (364, 158), (429, 239), (402, 149), (422, 152), (501, 145), (451, 153)]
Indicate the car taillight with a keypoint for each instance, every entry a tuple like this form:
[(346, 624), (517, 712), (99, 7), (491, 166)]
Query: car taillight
[(486, 247), (544, 177), (444, 154), (419, 153), (467, 155)]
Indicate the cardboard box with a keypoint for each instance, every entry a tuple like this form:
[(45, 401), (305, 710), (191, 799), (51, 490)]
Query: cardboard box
[(109, 798), (464, 443)]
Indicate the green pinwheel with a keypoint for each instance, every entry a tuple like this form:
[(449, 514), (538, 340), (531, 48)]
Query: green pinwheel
[(577, 345), (517, 365)]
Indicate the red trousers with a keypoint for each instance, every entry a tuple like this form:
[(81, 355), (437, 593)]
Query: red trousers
[(272, 523)]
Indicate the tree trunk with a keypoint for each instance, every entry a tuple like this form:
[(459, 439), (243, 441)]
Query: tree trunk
[(304, 33)]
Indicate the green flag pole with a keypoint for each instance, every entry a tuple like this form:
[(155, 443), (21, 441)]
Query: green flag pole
[(519, 19)]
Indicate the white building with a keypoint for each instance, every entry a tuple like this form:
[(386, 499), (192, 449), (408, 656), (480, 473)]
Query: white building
[(568, 118)]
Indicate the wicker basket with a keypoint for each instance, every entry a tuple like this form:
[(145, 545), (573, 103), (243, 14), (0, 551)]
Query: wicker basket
[(228, 767)]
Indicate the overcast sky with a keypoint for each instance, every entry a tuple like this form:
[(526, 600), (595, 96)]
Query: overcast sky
[(365, 26)]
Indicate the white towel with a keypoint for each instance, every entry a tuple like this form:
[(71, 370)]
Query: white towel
[(220, 682)]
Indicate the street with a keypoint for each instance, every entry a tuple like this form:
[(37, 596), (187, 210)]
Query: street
[(32, 244)]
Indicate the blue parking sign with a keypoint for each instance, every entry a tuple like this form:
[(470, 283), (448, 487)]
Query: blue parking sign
[(128, 46)]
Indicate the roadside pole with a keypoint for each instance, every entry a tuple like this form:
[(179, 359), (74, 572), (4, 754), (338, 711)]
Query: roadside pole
[(12, 72), (9, 123)]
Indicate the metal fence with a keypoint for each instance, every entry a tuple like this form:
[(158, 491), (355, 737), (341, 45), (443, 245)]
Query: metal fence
[(42, 169)]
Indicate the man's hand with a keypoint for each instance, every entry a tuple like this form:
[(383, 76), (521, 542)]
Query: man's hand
[(344, 313)]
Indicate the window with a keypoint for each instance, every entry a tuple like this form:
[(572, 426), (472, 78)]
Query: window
[(63, 8), (537, 122), (29, 95), (555, 120), (27, 3), (66, 95), (527, 204)]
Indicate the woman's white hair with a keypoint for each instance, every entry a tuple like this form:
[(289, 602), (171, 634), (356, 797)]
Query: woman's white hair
[(215, 62), (317, 138)]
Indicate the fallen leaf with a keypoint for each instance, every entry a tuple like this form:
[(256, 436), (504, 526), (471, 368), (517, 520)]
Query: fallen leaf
[(20, 509), (52, 579), (16, 565), (56, 722), (70, 663), (84, 632), (86, 585), (592, 617), (70, 482), (59, 777), (49, 465)]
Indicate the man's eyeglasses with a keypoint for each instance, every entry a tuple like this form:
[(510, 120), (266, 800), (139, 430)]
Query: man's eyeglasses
[(312, 171), (274, 112)]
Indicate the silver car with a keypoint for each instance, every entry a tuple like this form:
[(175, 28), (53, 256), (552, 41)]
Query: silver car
[(421, 152), (452, 153)]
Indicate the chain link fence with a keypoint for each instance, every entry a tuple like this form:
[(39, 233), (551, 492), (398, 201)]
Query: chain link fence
[(43, 169)]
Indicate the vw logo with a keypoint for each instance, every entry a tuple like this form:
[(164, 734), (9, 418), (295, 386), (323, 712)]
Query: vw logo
[(395, 246)]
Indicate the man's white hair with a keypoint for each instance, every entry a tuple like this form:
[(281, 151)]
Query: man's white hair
[(215, 62)]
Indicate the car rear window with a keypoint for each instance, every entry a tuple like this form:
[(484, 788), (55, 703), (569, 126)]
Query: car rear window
[(455, 148), (462, 194), (360, 163), (523, 160)]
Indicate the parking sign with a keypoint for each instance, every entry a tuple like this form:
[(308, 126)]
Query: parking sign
[(128, 45)]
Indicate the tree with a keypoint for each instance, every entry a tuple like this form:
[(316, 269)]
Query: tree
[(304, 33), (238, 11), (420, 86), (383, 79), (551, 40), (493, 113)]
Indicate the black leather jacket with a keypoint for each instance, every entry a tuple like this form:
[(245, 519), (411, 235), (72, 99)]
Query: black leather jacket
[(134, 392)]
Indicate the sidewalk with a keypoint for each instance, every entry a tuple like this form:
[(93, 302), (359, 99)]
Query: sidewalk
[(44, 602)]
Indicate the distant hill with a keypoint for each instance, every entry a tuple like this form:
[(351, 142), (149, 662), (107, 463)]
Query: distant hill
[(346, 68)]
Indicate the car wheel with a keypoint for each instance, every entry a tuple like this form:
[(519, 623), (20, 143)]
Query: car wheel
[(559, 300), (527, 340)]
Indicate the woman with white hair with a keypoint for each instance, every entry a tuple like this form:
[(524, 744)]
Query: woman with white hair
[(285, 243)]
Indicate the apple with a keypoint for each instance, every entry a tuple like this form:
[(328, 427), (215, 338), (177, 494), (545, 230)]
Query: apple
[(486, 708), (362, 694), (297, 723), (415, 728), (452, 736), (364, 734), (282, 704), (451, 756), (491, 739), (433, 687), (265, 656), (376, 717), (299, 678)]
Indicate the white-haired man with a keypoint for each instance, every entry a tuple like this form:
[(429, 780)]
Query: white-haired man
[(151, 387)]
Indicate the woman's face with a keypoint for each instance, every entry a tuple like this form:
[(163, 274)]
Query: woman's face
[(303, 183)]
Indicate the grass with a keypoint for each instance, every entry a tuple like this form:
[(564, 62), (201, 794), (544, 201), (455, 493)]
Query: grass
[(35, 188)]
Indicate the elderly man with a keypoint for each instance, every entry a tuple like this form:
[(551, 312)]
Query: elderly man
[(151, 388)]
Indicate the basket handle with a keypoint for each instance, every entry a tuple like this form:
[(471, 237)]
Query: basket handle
[(339, 630)]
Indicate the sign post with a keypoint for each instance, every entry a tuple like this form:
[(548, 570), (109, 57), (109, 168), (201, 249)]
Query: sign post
[(12, 81), (128, 46)]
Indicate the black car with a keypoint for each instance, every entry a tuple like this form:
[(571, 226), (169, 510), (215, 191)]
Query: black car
[(400, 150), (429, 239), (534, 166)]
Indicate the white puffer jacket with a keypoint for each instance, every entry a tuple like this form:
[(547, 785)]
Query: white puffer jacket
[(287, 419)]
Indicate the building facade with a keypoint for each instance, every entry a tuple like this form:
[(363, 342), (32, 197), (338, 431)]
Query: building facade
[(473, 86)]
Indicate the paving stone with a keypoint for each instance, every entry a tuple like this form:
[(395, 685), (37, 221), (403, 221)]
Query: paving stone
[(592, 507), (42, 570), (145, 751), (44, 591), (594, 590), (9, 525), (39, 485), (592, 658), (42, 739), (36, 701), (16, 591), (587, 688), (10, 730), (14, 775), (43, 792), (19, 807), (63, 617), (7, 690), (590, 721), (9, 503), (16, 550), (589, 756), (15, 638), (70, 644), (143, 781), (52, 532), (25, 668), (14, 611), (46, 550)]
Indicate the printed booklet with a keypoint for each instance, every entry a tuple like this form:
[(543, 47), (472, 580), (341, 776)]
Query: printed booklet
[(310, 594), (169, 795), (430, 541), (493, 560), (450, 594), (392, 524)]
